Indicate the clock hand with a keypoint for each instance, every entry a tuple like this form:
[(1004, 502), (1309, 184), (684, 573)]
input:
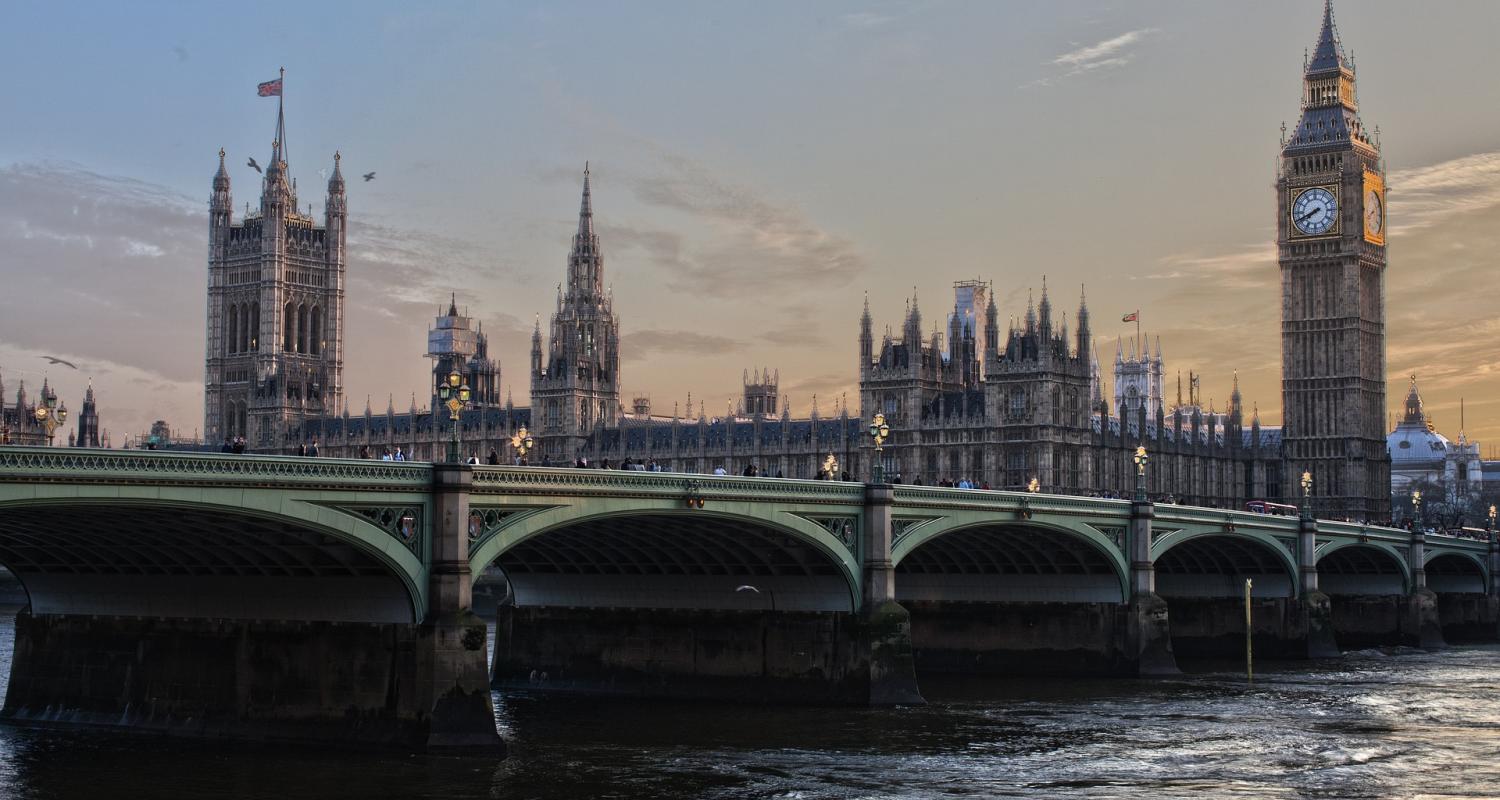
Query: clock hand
[(1317, 210)]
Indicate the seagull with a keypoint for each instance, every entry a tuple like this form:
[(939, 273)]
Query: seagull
[(369, 176), (252, 165), (56, 360)]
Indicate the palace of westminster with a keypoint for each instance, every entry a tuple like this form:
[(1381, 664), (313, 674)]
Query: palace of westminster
[(999, 406)]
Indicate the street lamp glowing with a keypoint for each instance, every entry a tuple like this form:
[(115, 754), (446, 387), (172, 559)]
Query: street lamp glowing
[(879, 431), (522, 443), (1034, 487), (1140, 460), (50, 415), (1306, 484), (831, 466), (455, 395)]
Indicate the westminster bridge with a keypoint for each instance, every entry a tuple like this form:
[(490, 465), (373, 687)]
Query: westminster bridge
[(291, 598)]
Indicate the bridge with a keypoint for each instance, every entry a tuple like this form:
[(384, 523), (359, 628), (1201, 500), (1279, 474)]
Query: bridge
[(295, 598)]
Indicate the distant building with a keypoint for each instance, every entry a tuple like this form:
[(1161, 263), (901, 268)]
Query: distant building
[(88, 422), (456, 343), (1420, 455), (18, 424)]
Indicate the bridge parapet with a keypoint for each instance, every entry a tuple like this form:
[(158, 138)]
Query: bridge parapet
[(569, 482), (72, 465)]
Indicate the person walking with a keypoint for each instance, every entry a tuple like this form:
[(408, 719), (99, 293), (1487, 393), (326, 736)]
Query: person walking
[(399, 456), (493, 459), (312, 449), (364, 451)]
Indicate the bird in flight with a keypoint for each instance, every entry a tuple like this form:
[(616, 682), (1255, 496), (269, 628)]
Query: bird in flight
[(56, 360), (252, 165), (369, 176)]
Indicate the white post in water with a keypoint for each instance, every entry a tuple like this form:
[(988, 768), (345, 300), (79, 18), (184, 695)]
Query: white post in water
[(1249, 669)]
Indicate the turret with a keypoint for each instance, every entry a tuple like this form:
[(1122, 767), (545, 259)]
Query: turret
[(220, 210), (866, 340), (1085, 336), (536, 349), (991, 332), (1045, 313)]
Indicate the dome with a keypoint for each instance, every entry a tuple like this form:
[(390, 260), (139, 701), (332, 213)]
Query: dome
[(1415, 444)]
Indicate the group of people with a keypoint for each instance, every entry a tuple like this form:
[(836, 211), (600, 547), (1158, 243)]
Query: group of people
[(235, 445)]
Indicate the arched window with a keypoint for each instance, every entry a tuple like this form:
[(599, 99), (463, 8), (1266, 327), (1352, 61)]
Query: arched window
[(232, 334), (289, 328), (302, 329), (315, 337), (252, 332), (244, 428)]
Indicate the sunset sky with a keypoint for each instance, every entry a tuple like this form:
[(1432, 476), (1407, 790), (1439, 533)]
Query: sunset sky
[(757, 168)]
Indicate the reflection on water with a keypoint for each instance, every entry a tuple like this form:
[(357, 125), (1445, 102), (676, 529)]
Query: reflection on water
[(1373, 725)]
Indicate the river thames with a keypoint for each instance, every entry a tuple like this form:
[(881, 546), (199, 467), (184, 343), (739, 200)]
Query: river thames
[(1376, 724)]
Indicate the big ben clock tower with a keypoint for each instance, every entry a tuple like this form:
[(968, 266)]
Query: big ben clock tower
[(1330, 199)]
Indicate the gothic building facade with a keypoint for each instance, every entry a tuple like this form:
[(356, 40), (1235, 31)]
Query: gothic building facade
[(1330, 197), (575, 378), (275, 331), (88, 422)]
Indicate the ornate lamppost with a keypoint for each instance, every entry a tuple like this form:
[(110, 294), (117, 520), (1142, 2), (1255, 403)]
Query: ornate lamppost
[(1140, 473), (831, 467), (454, 394), (50, 414), (1035, 486), (522, 444), (1307, 483), (1416, 509), (1492, 519), (879, 431)]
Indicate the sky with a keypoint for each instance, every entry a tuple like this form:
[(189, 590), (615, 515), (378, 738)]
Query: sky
[(757, 168)]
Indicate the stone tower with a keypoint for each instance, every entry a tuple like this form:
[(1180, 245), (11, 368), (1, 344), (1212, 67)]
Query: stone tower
[(88, 421), (1330, 194), (576, 385), (275, 343), (457, 342)]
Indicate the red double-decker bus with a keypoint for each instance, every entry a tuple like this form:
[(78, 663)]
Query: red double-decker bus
[(1268, 507)]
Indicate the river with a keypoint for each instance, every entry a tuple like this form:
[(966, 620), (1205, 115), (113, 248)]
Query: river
[(1373, 725)]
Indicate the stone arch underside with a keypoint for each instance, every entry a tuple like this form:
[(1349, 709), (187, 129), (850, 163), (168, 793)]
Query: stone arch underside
[(1361, 570), (1217, 566), (181, 562), (676, 561), (1455, 573), (1008, 563)]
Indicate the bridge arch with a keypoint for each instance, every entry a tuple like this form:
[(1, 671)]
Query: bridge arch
[(195, 552), (1213, 562), (1362, 568), (1457, 572), (989, 560), (635, 553)]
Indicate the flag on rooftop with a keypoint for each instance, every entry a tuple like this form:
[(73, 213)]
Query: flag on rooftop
[(269, 89)]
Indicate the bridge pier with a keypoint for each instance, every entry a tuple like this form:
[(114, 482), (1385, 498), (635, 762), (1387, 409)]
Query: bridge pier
[(1423, 624), (1314, 608), (885, 625), (1148, 641)]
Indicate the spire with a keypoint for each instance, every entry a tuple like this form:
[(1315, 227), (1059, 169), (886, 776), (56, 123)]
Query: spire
[(452, 304), (221, 178), (278, 147), (336, 180), (1328, 53), (586, 208)]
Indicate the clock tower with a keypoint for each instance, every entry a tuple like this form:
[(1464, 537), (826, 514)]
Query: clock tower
[(1330, 201)]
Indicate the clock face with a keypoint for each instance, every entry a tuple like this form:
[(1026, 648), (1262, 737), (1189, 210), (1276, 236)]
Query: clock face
[(1315, 211), (1374, 212)]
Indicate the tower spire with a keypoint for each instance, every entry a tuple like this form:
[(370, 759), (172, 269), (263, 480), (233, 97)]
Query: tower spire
[(586, 207)]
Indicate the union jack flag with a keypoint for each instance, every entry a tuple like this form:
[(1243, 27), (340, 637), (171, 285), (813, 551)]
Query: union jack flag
[(269, 89), (1131, 317)]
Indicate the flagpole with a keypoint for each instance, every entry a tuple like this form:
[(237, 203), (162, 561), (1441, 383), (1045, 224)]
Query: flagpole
[(1138, 343), (280, 113)]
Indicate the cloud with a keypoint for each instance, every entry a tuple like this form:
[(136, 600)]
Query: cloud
[(1108, 54), (866, 19), (750, 243), (640, 345)]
